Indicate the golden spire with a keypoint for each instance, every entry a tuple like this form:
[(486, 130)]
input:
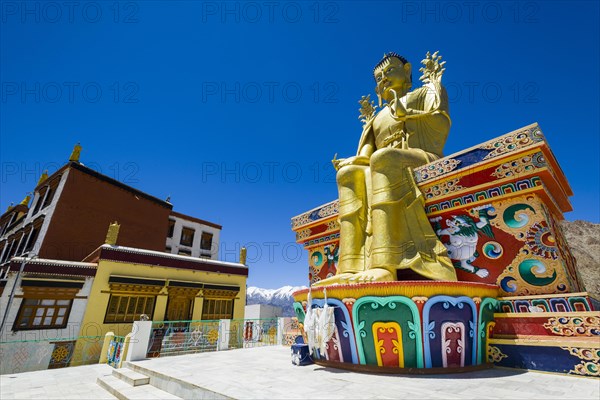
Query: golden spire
[(112, 234), (243, 255), (26, 200), (75, 154), (43, 178)]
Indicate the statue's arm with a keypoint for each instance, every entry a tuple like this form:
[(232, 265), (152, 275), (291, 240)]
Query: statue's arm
[(433, 100), (366, 147)]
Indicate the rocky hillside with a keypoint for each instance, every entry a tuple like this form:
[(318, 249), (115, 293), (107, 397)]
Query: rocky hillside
[(584, 240)]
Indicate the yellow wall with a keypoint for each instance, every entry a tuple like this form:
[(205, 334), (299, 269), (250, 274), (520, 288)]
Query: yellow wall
[(93, 320)]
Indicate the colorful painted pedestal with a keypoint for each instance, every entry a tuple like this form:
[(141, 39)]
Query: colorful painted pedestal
[(405, 327), (511, 193), (555, 333)]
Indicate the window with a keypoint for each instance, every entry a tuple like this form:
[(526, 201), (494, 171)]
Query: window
[(12, 219), (32, 238), (49, 197), (11, 252), (187, 236), (206, 242), (45, 304), (171, 228), (43, 313), (22, 242), (217, 309), (168, 249), (184, 252), (7, 252), (39, 200), (126, 308)]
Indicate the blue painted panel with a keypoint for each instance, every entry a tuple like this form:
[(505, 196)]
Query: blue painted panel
[(539, 358)]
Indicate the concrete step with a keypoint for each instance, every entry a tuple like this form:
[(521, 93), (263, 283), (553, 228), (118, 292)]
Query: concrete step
[(131, 377), (124, 391), (175, 386), (181, 352)]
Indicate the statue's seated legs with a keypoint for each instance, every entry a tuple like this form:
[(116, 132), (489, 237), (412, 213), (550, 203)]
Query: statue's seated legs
[(402, 235), (353, 218), (383, 226)]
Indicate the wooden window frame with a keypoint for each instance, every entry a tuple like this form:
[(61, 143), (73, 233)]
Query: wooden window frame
[(40, 199), (33, 237), (191, 242), (128, 316), (24, 239), (203, 241), (34, 298), (217, 308)]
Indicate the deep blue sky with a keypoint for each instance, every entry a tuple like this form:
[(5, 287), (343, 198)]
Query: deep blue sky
[(236, 109)]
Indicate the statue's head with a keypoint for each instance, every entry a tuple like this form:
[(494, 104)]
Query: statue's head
[(392, 72)]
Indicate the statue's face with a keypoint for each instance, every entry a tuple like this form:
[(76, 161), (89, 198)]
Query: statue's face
[(393, 75)]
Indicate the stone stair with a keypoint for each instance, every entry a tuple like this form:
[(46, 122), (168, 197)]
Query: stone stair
[(136, 382), (126, 384), (174, 386)]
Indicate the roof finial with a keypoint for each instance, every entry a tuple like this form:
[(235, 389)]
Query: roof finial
[(113, 234), (25, 201), (75, 154), (43, 177), (243, 255)]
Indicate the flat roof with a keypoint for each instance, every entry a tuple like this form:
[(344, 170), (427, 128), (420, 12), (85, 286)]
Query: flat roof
[(194, 219), (159, 258)]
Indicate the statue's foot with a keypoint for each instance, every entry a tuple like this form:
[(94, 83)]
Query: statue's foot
[(338, 279), (372, 275)]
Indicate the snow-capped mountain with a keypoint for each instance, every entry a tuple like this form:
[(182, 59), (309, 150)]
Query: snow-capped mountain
[(281, 297)]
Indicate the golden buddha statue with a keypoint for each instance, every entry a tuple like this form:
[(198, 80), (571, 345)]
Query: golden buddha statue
[(384, 231)]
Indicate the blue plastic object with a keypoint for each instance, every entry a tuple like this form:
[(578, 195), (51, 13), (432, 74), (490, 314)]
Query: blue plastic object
[(300, 353)]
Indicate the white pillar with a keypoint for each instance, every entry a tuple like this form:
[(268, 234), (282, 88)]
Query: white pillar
[(138, 347), (281, 326), (224, 326)]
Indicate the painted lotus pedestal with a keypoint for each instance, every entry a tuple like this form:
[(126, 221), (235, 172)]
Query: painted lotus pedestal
[(405, 327), (519, 301)]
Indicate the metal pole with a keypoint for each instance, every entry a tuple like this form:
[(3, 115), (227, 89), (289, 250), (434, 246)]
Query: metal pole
[(12, 292)]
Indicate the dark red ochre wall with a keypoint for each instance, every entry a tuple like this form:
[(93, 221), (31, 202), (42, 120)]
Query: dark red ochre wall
[(86, 207)]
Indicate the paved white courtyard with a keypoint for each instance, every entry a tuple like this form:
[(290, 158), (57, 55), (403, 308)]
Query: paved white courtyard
[(267, 373)]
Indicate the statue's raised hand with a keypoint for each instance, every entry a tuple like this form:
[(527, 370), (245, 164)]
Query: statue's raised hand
[(432, 68)]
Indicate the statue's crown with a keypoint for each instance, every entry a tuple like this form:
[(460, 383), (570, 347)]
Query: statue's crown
[(386, 60)]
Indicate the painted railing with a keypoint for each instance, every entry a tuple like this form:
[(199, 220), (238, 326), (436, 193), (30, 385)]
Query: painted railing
[(195, 336), (244, 333), (165, 338), (115, 351), (34, 355), (291, 330), (183, 337)]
